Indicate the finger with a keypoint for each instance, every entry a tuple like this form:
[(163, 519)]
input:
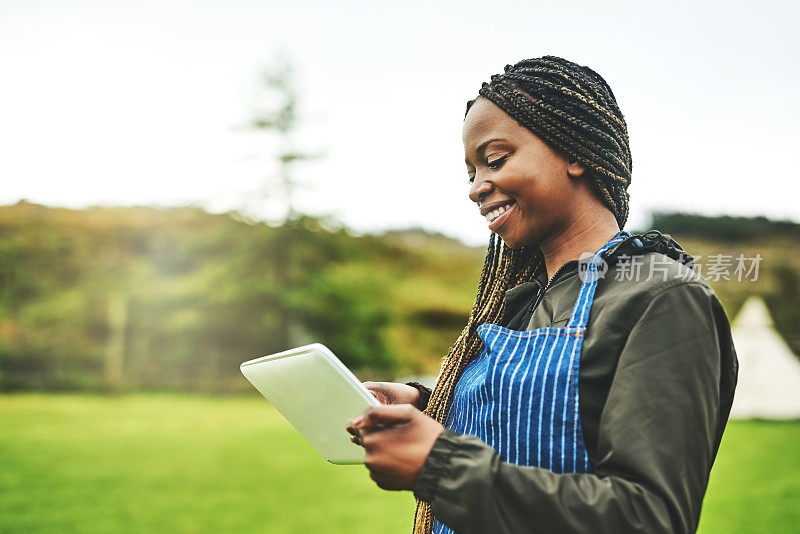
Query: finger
[(356, 421), (381, 397), (355, 435), (379, 392), (374, 387), (386, 414)]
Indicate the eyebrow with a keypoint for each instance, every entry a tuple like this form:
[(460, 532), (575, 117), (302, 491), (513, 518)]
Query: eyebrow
[(483, 146)]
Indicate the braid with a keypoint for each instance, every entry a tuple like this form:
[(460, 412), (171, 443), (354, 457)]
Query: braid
[(572, 109), (503, 269)]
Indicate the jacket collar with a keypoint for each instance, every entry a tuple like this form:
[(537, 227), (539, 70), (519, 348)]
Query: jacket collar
[(636, 244), (526, 291)]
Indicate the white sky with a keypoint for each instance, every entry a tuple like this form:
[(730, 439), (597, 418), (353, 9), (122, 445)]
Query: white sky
[(140, 102)]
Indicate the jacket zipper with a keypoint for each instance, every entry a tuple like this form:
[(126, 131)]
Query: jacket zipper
[(543, 290)]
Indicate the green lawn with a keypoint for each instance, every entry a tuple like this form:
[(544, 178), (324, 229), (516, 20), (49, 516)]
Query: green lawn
[(755, 483), (179, 463), (175, 463)]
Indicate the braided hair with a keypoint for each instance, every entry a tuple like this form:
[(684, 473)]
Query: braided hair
[(572, 109)]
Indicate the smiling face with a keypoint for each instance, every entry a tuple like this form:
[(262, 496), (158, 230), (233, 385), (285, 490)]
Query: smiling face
[(528, 192)]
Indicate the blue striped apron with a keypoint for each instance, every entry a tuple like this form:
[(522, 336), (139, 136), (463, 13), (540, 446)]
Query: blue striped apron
[(520, 395)]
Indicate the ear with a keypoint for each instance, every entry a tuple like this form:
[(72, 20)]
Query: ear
[(575, 169)]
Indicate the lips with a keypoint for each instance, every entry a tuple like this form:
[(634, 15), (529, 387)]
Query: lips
[(488, 207), (497, 212), (494, 214)]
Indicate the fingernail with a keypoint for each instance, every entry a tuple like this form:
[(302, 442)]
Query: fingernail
[(357, 420)]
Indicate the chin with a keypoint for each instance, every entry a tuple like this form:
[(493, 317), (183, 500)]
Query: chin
[(515, 240), (513, 244)]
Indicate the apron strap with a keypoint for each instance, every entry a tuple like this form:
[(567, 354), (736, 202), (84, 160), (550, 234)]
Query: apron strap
[(580, 311)]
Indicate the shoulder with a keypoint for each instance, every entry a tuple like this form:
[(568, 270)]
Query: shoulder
[(659, 274), (645, 275), (669, 315)]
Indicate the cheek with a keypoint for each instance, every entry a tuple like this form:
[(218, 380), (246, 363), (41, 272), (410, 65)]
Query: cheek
[(545, 190), (533, 196), (521, 182)]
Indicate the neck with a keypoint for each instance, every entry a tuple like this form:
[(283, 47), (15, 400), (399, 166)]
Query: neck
[(586, 233)]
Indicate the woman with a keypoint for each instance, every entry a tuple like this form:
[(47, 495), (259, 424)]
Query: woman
[(592, 399)]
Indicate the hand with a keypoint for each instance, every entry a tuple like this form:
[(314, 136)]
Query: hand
[(393, 393), (398, 439)]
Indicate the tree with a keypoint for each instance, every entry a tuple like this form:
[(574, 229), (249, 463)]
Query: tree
[(278, 116)]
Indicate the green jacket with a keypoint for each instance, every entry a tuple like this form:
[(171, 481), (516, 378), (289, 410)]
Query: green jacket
[(657, 375)]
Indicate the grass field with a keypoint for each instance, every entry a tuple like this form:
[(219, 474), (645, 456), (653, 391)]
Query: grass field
[(179, 463)]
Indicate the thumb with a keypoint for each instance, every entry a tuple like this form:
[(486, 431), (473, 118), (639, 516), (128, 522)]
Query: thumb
[(387, 414)]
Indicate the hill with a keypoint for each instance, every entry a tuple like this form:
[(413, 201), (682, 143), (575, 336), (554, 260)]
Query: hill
[(146, 298)]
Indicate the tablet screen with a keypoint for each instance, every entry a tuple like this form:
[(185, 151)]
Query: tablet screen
[(317, 394)]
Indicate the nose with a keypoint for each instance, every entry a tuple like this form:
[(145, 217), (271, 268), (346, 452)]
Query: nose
[(479, 190)]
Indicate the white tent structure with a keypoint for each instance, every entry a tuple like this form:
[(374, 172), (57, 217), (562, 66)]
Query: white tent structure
[(769, 373)]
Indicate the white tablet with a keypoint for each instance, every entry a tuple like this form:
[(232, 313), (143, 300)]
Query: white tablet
[(317, 394)]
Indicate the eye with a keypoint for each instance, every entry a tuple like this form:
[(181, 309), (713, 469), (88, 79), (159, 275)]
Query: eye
[(471, 176), (497, 163)]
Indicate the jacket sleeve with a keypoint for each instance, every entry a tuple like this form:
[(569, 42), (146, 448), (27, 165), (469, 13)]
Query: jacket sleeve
[(424, 394), (656, 443)]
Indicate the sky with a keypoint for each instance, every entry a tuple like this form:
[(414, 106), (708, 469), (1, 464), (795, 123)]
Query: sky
[(146, 102)]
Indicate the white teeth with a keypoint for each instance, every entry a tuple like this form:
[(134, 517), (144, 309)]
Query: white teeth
[(492, 215)]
